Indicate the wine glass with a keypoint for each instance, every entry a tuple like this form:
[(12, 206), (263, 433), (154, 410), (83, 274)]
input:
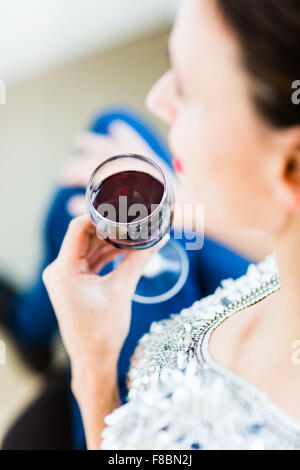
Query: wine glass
[(131, 202)]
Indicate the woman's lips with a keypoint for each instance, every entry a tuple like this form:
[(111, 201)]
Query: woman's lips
[(177, 165)]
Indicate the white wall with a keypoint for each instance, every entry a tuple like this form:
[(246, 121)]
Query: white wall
[(37, 35), (37, 126)]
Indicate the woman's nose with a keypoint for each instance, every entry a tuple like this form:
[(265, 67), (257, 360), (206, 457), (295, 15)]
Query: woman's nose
[(161, 99)]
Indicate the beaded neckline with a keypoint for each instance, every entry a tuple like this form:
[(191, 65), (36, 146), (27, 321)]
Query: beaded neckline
[(273, 411), (174, 340), (178, 394)]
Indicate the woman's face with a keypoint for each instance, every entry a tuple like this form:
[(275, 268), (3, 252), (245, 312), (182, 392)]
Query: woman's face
[(228, 153)]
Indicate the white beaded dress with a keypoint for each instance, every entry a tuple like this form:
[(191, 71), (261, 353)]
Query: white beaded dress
[(179, 398)]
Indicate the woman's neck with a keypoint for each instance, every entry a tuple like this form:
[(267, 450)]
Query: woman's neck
[(285, 310)]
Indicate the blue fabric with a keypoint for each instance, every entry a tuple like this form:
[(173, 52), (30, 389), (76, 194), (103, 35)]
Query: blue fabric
[(33, 320)]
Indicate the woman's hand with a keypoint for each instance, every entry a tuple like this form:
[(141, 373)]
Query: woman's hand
[(94, 315), (92, 149), (93, 311)]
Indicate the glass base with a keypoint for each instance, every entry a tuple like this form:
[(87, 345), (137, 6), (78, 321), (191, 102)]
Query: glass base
[(164, 275)]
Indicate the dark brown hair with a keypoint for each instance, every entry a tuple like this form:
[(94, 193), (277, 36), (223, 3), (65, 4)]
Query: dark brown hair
[(268, 32)]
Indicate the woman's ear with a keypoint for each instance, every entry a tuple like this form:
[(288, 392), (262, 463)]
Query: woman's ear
[(288, 190)]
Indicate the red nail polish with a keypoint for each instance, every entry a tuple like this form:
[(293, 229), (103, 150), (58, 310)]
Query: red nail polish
[(177, 165)]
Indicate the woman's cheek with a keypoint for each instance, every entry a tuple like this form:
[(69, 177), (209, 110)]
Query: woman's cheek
[(184, 137), (205, 170), (188, 142), (221, 172)]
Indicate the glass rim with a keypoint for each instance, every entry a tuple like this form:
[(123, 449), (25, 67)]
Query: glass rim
[(92, 208)]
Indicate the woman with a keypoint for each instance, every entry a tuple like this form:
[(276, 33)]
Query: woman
[(30, 317), (228, 100)]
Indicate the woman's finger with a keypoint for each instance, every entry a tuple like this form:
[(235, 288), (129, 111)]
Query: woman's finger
[(96, 253), (77, 205), (90, 142), (75, 246), (134, 263), (98, 263), (128, 138)]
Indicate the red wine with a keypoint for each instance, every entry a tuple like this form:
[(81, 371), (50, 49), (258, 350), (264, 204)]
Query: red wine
[(114, 197), (138, 187)]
